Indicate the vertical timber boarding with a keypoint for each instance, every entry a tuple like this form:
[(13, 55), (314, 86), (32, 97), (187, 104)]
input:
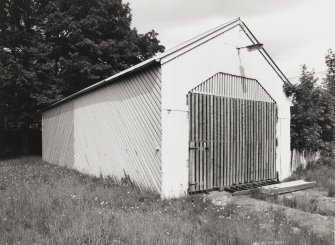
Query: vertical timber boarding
[(232, 140)]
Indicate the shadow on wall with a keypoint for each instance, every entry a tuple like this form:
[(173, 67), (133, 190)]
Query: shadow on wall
[(242, 73)]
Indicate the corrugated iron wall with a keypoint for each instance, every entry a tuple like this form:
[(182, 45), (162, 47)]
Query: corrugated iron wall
[(57, 135), (232, 139), (186, 70), (117, 129), (233, 86)]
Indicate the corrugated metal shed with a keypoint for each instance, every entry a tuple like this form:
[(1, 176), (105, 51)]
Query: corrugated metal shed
[(136, 123)]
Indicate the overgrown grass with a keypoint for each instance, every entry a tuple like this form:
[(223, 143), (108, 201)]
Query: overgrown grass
[(46, 204), (308, 206), (323, 175)]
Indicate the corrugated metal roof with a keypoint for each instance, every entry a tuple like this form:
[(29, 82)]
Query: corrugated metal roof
[(158, 57)]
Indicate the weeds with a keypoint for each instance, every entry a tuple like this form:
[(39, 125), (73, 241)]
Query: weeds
[(46, 204), (324, 175)]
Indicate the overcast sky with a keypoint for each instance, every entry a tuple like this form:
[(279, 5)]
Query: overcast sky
[(294, 32)]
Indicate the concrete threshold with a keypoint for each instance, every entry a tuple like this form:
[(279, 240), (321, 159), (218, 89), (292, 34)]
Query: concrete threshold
[(286, 187)]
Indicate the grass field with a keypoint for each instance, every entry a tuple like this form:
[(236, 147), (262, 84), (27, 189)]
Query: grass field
[(45, 204)]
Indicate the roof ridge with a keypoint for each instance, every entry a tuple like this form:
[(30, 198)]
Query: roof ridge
[(197, 38)]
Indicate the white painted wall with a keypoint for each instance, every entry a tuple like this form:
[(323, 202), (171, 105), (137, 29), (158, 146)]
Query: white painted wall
[(112, 131), (118, 129), (182, 71), (58, 137)]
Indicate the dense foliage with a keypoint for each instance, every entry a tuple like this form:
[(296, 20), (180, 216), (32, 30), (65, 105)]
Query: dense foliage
[(50, 49), (313, 110)]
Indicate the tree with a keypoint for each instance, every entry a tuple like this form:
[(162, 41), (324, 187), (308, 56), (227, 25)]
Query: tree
[(50, 49), (329, 81), (27, 80), (329, 84), (312, 114), (93, 39)]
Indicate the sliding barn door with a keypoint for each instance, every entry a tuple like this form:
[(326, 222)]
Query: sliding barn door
[(232, 140)]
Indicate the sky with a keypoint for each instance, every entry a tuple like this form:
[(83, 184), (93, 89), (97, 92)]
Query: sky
[(294, 32)]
